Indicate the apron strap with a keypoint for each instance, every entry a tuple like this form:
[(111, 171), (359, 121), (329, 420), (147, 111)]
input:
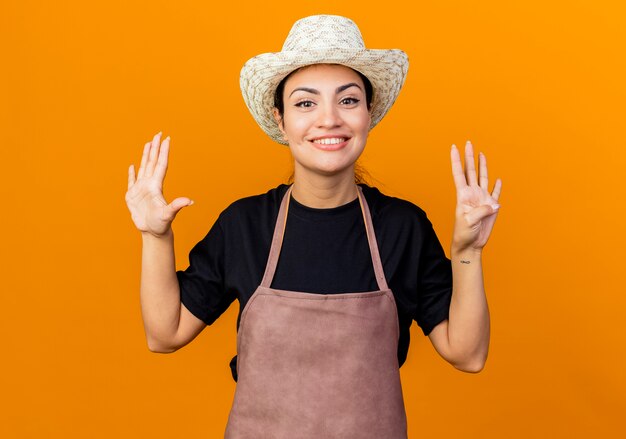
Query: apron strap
[(277, 240), (279, 233), (371, 238)]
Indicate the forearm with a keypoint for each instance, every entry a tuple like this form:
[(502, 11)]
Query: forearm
[(160, 293), (468, 323)]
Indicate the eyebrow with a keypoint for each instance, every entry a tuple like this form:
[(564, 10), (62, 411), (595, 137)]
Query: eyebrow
[(316, 92)]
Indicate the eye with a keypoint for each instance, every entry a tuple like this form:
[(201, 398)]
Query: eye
[(304, 104), (349, 101)]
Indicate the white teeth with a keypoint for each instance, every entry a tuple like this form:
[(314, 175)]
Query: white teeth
[(330, 141)]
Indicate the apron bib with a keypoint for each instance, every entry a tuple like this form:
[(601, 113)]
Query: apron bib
[(318, 366)]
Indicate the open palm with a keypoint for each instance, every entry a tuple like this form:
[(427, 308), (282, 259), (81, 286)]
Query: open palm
[(476, 209), (148, 208)]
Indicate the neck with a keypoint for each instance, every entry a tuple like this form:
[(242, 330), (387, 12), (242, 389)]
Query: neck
[(324, 192)]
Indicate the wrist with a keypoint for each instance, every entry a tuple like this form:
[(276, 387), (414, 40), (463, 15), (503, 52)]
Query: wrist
[(465, 253), (151, 236)]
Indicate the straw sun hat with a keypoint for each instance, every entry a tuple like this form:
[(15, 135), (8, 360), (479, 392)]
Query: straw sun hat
[(315, 40)]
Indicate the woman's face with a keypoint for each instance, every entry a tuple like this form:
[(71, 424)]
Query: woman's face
[(325, 120)]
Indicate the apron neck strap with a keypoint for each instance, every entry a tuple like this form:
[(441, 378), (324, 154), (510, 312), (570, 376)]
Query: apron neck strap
[(279, 232)]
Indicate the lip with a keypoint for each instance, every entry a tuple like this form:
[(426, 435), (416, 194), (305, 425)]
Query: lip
[(333, 147)]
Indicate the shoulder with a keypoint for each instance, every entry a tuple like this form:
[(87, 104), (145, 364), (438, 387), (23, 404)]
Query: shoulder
[(254, 207), (401, 224), (392, 210)]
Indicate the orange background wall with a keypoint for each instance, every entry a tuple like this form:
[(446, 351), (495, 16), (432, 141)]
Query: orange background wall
[(539, 87)]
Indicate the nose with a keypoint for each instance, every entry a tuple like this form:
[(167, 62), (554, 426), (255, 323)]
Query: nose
[(328, 116)]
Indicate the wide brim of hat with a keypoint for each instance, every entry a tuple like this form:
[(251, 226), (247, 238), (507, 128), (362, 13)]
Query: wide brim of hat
[(385, 68)]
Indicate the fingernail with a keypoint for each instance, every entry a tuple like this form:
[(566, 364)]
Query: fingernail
[(167, 139), (453, 145), (159, 133), (468, 143), (495, 206)]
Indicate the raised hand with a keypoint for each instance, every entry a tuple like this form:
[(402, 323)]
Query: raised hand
[(144, 197), (476, 209)]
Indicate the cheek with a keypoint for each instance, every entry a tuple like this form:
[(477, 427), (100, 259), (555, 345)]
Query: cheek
[(360, 122), (296, 124)]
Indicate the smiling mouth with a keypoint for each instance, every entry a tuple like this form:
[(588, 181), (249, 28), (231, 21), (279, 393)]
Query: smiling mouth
[(330, 141)]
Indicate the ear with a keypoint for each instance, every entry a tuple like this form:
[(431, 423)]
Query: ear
[(279, 122)]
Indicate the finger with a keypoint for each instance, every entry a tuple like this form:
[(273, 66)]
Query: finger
[(154, 151), (479, 213), (470, 169), (457, 169), (131, 176), (161, 166), (496, 189), (144, 159), (484, 178), (178, 204)]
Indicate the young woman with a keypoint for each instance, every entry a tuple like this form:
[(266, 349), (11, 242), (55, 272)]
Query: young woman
[(329, 272)]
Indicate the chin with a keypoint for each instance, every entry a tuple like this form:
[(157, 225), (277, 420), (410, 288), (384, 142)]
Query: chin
[(327, 163), (328, 169)]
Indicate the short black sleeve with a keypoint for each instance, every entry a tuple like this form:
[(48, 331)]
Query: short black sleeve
[(434, 281), (202, 283)]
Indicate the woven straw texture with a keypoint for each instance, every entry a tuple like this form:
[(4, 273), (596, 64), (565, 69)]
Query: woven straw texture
[(321, 39)]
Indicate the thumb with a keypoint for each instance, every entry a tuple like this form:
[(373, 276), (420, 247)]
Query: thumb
[(479, 213), (178, 204)]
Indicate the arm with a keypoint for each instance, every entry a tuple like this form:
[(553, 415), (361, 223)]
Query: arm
[(167, 323), (463, 339)]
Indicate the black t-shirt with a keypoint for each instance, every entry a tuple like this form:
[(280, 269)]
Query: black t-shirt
[(324, 251)]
